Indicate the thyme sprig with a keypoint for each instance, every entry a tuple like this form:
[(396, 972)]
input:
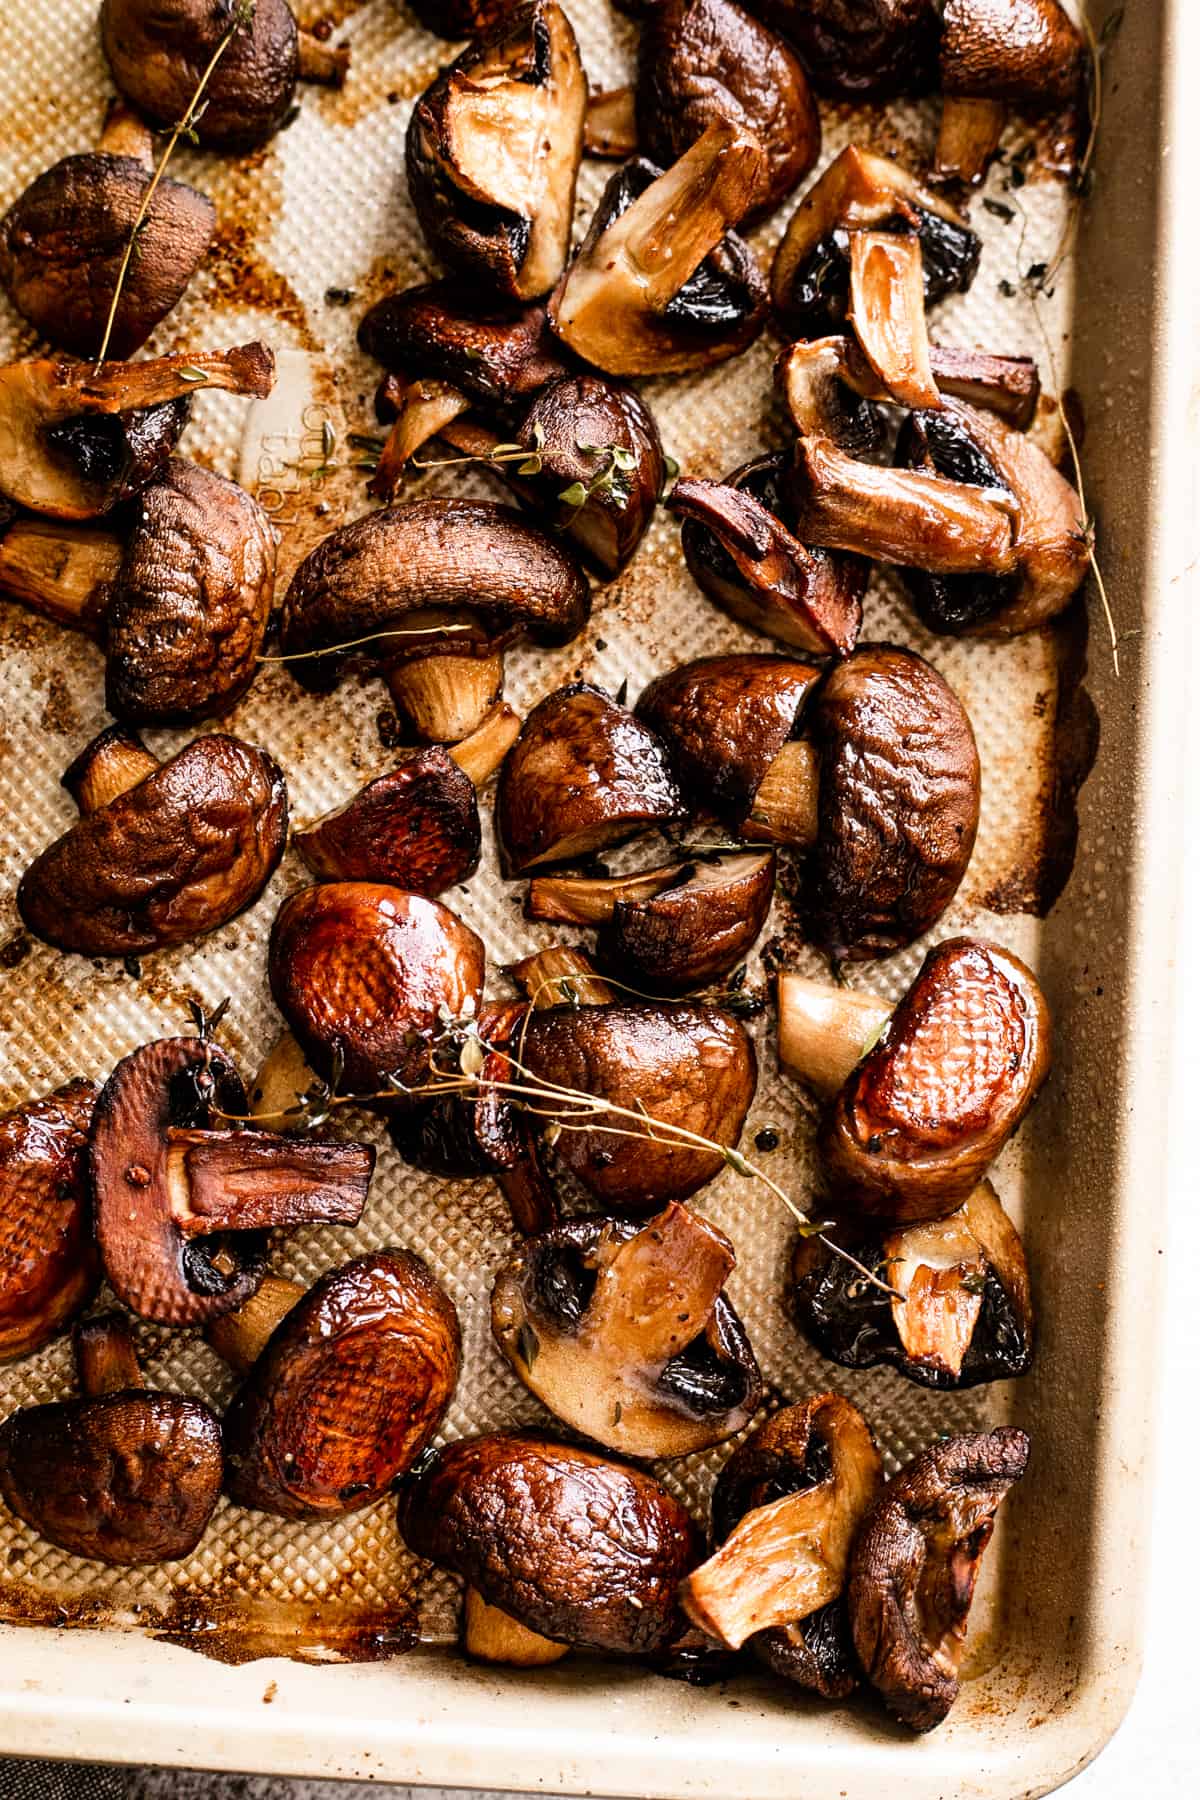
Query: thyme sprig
[(609, 479), (528, 458), (372, 637)]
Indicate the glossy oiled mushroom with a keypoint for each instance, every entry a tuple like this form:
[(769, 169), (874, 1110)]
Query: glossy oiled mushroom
[(859, 49), (63, 243), (997, 54), (464, 18), (785, 1511), (346, 1390), (162, 852), (578, 1548), (183, 1202), (625, 1333), (832, 391), (158, 50), (435, 589), (493, 151), (914, 1567), (121, 1475), (964, 1314), (49, 1268), (926, 1096)]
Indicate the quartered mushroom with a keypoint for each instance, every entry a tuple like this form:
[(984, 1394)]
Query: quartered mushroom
[(121, 1475), (75, 440), (157, 51), (162, 852), (430, 593), (914, 1567), (182, 1203), (785, 1511), (366, 974), (49, 1268), (493, 150), (64, 240), (625, 1333), (345, 1388), (579, 1549), (859, 49), (960, 1313), (924, 1097), (832, 391), (996, 55), (662, 284)]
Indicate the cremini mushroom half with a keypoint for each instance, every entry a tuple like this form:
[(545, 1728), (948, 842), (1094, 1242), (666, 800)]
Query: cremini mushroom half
[(832, 391), (49, 1267), (997, 55)]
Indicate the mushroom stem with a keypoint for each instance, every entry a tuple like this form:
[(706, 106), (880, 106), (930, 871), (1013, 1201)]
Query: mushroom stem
[(785, 809), (111, 765), (424, 408), (1006, 385), (480, 754), (670, 229), (531, 1195), (126, 133), (592, 900), (284, 1078), (658, 1292), (968, 138), (253, 1181), (610, 124), (241, 1336), (446, 697), (74, 388), (496, 1637), (65, 575), (824, 1031), (562, 975), (757, 1579), (887, 311), (105, 1359), (324, 64)]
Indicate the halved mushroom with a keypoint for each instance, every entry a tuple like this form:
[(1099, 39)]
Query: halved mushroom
[(366, 976), (493, 151), (965, 1316), (157, 51), (662, 285), (942, 1084), (859, 49), (163, 852), (583, 774), (562, 974), (625, 1333), (706, 60), (914, 1566), (832, 391), (578, 1548), (430, 593), (497, 354), (49, 1268), (182, 1206), (348, 1391), (121, 1475), (785, 1511), (416, 827), (75, 441), (886, 312), (996, 54)]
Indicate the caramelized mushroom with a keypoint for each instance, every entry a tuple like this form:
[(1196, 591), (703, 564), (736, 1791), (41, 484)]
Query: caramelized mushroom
[(610, 126), (493, 151), (49, 1269), (831, 390), (914, 1566), (499, 355), (859, 49), (887, 313), (121, 1475), (416, 827), (996, 54), (463, 18), (577, 1548), (624, 1332), (163, 852)]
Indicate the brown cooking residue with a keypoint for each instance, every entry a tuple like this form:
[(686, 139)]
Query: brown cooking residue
[(60, 715), (248, 196)]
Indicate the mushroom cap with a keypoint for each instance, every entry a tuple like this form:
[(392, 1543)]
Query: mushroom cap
[(1013, 50), (62, 244), (694, 931), (417, 827), (497, 353), (367, 973), (49, 1266), (579, 1548), (859, 49), (351, 1387), (183, 852), (479, 1132), (456, 19), (583, 774), (189, 609)]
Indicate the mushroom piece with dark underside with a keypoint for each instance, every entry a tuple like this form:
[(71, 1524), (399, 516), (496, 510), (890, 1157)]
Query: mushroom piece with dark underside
[(859, 49), (832, 391), (49, 1268), (997, 55)]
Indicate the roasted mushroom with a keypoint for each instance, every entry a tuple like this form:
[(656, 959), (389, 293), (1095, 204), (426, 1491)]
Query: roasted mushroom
[(785, 1511), (181, 1204), (158, 50), (610, 125), (464, 18), (578, 1548), (493, 1636), (996, 54), (964, 1313), (662, 285), (493, 151), (162, 852), (859, 49), (914, 1566), (930, 1093), (431, 592), (49, 1268), (831, 389), (625, 1333), (121, 1475)]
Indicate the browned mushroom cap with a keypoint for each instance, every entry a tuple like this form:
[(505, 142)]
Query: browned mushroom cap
[(49, 1268), (624, 1332), (365, 975), (75, 441), (674, 1064), (493, 151), (122, 1475), (416, 827), (701, 60), (463, 18), (180, 1206), (173, 852), (913, 1569), (785, 1510), (579, 1548), (740, 549), (955, 1070), (859, 49), (662, 285), (497, 354), (352, 1385), (966, 1315), (1020, 51)]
